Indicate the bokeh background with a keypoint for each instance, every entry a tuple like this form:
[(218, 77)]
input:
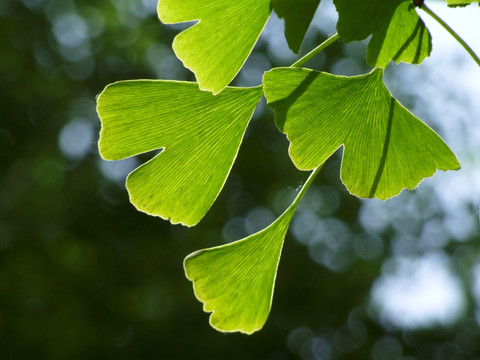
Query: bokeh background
[(83, 275)]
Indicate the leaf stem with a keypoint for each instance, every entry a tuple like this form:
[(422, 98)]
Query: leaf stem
[(305, 186), (452, 32), (315, 51)]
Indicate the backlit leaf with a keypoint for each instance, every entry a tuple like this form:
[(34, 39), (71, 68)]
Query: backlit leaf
[(386, 148), (216, 48), (200, 135), (235, 281), (298, 15), (397, 31)]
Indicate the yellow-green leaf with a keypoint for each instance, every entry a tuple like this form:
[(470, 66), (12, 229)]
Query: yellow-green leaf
[(200, 135), (235, 281), (216, 48), (386, 148)]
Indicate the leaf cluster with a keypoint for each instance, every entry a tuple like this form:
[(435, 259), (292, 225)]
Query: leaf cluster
[(199, 127)]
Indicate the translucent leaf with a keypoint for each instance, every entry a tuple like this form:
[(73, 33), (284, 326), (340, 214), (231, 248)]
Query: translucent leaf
[(199, 132), (298, 15), (386, 148), (216, 48), (235, 281), (397, 31)]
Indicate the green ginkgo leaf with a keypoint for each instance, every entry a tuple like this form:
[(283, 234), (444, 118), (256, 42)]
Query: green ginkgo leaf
[(397, 31), (200, 135), (298, 15), (235, 281), (216, 48), (386, 148)]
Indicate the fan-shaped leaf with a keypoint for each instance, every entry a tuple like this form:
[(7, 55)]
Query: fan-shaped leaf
[(397, 31), (215, 48), (199, 132), (386, 148), (236, 281)]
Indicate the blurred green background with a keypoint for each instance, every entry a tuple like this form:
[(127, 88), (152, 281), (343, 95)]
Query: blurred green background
[(83, 275)]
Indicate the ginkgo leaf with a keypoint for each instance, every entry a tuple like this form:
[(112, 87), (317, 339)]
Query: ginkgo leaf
[(235, 281), (200, 135), (298, 15), (216, 48), (398, 33), (386, 148)]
